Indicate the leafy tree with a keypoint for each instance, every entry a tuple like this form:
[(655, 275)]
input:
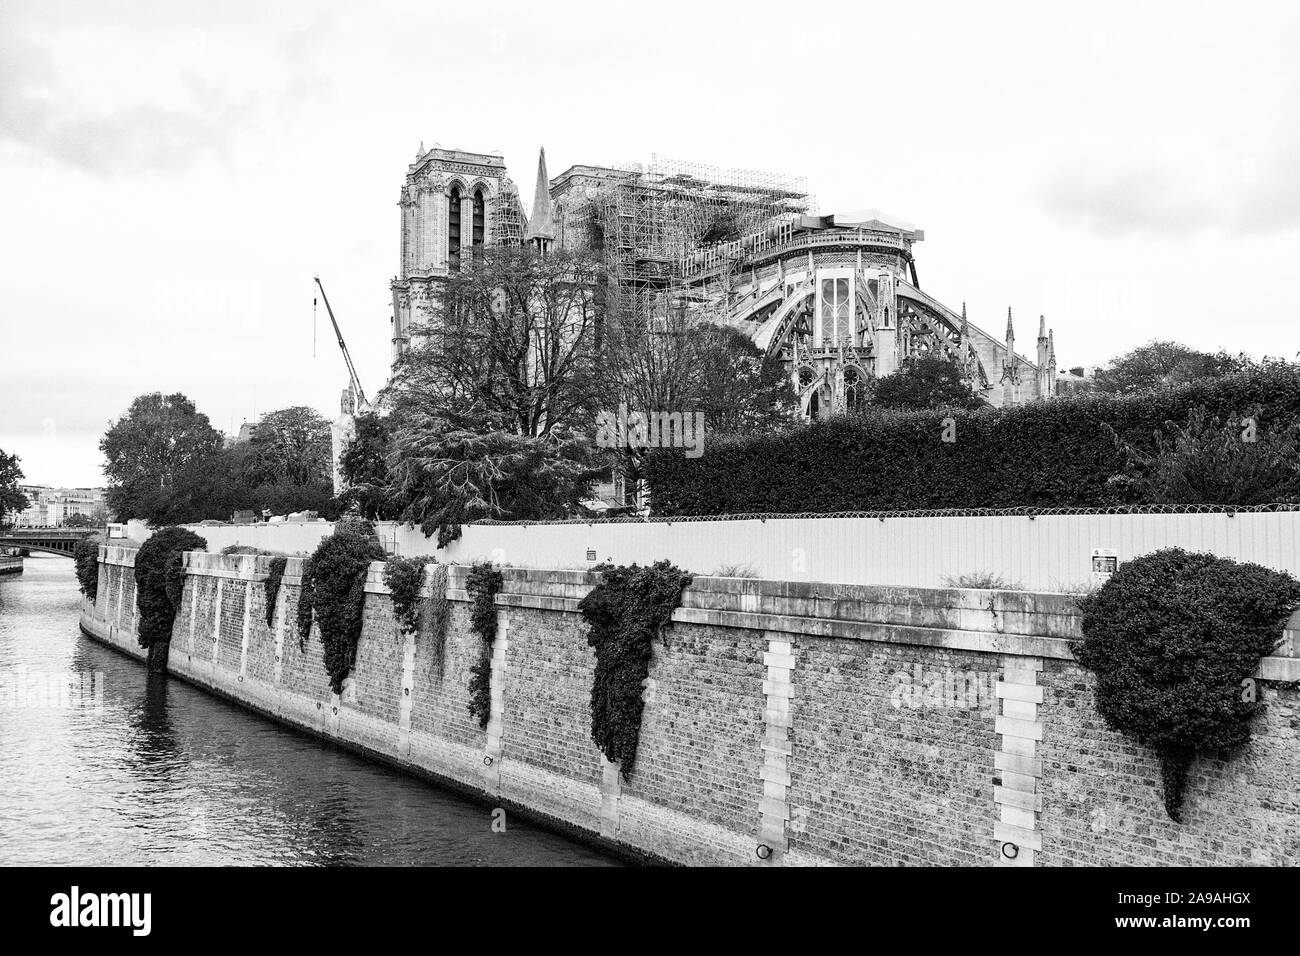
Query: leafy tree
[(487, 409), (926, 381), (740, 390), (1160, 364), (79, 521), (364, 469), (292, 445), (158, 438), (12, 497), (1212, 459)]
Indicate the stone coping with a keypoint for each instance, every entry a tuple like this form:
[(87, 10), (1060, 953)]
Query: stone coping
[(1004, 622)]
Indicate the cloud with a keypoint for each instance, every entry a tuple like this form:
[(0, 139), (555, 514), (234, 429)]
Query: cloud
[(1122, 203), (46, 115)]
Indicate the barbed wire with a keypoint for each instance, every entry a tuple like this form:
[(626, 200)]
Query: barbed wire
[(1027, 512)]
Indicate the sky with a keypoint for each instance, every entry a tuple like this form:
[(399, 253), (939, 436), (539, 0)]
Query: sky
[(173, 174)]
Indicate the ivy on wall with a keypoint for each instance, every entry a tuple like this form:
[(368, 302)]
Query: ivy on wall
[(85, 557), (483, 582), (271, 587), (333, 594), (624, 613), (306, 604), (1174, 638), (404, 577), (159, 584)]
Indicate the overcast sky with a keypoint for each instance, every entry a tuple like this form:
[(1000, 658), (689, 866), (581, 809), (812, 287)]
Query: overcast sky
[(172, 175)]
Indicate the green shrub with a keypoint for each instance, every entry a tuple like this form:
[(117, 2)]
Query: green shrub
[(404, 577), (334, 588), (624, 613), (159, 584), (1174, 638), (271, 587), (1053, 453), (483, 582), (85, 557)]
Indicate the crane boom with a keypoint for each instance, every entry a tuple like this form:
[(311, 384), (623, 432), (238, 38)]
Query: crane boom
[(343, 346)]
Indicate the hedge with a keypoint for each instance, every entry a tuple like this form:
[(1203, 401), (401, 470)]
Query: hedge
[(1053, 453)]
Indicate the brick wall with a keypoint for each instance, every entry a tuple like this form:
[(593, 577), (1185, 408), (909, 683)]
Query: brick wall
[(785, 723)]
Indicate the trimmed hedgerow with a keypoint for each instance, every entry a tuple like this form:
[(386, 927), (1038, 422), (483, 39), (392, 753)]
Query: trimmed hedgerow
[(483, 582), (159, 584), (333, 593), (271, 587), (404, 577), (624, 613), (85, 558), (1174, 638), (1053, 453)]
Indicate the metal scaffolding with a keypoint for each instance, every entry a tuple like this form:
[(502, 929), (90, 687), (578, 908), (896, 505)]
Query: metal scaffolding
[(658, 220)]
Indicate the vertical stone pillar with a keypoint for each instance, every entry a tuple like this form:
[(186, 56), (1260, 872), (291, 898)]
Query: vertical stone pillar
[(280, 602), (194, 610), (1017, 764), (774, 806), (408, 690), (248, 623), (492, 751), (216, 624)]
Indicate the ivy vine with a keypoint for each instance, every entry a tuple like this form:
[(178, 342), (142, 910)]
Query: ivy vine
[(483, 582), (303, 615), (271, 587), (333, 594), (85, 557), (159, 584), (404, 577), (624, 613)]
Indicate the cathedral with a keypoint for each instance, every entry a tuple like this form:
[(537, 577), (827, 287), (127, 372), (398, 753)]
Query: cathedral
[(835, 296)]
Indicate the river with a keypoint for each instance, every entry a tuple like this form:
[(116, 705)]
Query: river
[(104, 766)]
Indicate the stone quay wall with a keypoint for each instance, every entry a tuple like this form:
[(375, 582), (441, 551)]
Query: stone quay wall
[(786, 723)]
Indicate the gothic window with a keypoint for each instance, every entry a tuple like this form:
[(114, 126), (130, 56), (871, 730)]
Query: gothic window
[(480, 209), (852, 389), (453, 229), (835, 312)]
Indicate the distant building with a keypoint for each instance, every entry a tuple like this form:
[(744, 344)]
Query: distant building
[(50, 507), (247, 431), (835, 297)]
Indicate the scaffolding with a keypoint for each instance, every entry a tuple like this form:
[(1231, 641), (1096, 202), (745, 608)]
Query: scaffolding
[(658, 223), (507, 221)]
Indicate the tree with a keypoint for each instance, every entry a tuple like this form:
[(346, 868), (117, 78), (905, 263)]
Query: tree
[(1213, 460), (12, 497), (158, 438), (489, 410), (363, 466), (292, 445), (926, 381), (79, 521), (1160, 364), (739, 389)]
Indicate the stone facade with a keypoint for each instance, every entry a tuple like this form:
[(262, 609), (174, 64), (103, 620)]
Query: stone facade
[(785, 723), (836, 297)]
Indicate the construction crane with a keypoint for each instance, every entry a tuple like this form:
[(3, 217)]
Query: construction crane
[(343, 346)]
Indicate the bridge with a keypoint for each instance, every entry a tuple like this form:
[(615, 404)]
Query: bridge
[(60, 541)]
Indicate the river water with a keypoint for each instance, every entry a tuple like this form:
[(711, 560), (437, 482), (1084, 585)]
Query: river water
[(100, 765)]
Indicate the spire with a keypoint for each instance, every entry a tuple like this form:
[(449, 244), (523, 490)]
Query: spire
[(1011, 333), (1042, 326), (963, 322), (540, 224), (420, 152)]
